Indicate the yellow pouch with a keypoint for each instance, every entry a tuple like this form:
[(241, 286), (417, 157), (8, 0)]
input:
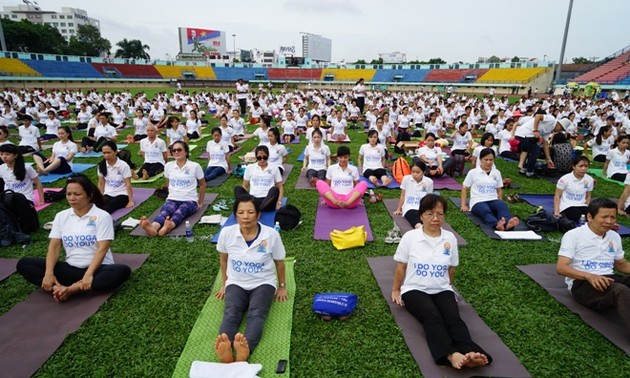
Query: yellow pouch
[(350, 238)]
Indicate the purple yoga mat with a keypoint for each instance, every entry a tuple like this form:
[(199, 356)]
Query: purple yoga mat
[(606, 322), (302, 182), (32, 330), (505, 363), (181, 229), (139, 195), (391, 204), (328, 219), (446, 182), (7, 268), (295, 140)]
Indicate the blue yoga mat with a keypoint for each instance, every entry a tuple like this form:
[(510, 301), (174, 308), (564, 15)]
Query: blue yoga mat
[(266, 217), (392, 185), (301, 157), (76, 168), (546, 201)]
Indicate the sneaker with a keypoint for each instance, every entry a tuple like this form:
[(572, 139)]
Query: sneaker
[(389, 239), (220, 207), (532, 176), (397, 237)]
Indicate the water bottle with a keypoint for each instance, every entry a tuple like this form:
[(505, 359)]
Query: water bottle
[(277, 226), (189, 233), (582, 221)]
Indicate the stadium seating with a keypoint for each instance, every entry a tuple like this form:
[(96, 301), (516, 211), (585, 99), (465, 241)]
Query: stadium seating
[(128, 71), (202, 73), (510, 75), (294, 73), (608, 72), (53, 68), (15, 67), (401, 75), (245, 73), (447, 76), (347, 74), (170, 72)]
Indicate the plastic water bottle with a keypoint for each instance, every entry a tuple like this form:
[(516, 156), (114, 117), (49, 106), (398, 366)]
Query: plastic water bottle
[(277, 226), (189, 233), (582, 221)]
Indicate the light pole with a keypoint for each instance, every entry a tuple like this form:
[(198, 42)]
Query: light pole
[(234, 46), (564, 42)]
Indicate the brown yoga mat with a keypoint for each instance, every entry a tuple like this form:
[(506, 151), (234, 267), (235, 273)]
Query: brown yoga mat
[(7, 268), (505, 363), (606, 322), (302, 182), (180, 230), (392, 203), (32, 330)]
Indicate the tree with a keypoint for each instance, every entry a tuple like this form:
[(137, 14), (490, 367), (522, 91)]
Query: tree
[(360, 61), (516, 59), (132, 49), (26, 36), (582, 60), (494, 59), (88, 41), (377, 61), (436, 61)]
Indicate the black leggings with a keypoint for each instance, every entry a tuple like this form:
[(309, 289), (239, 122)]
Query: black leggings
[(151, 168), (574, 213), (193, 135), (95, 144), (115, 203), (378, 173), (509, 155), (106, 277), (618, 177), (321, 174), (600, 158), (267, 203), (413, 217)]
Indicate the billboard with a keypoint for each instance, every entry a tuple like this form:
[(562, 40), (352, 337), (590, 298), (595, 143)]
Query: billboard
[(201, 41), (316, 47)]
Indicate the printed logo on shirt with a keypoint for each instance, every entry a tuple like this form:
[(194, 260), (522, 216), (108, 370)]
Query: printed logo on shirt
[(432, 270), (92, 221), (262, 247), (611, 247), (241, 266), (447, 249)]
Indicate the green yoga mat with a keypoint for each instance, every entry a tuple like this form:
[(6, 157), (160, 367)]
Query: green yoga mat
[(598, 172), (149, 180), (275, 344)]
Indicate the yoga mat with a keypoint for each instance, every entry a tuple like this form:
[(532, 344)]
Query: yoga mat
[(446, 182), (505, 363), (32, 330), (301, 157), (275, 344), (150, 179), (328, 219), (7, 267), (392, 185), (392, 203), (598, 172), (296, 140), (217, 181), (302, 183), (36, 198), (489, 231), (92, 154), (181, 229), (139, 195), (606, 322), (287, 171), (76, 168), (330, 139), (268, 218)]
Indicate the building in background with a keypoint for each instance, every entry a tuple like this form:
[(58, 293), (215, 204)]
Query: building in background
[(317, 48), (67, 21), (393, 57)]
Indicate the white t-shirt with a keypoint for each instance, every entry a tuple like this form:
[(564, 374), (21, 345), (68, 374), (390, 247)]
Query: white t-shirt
[(80, 235), (238, 125), (226, 135), (617, 163), (545, 127), (477, 151), (115, 179), (428, 260), (574, 190), (483, 186), (216, 154), (262, 136), (430, 154), (140, 126), (61, 149), (52, 125), (372, 156), (277, 152), (182, 182), (251, 266), (24, 187), (317, 157), (288, 127), (504, 137), (175, 135), (29, 136), (338, 127), (242, 91), (589, 252), (153, 151), (193, 125), (460, 142), (260, 181), (603, 148), (107, 131), (415, 191), (342, 180)]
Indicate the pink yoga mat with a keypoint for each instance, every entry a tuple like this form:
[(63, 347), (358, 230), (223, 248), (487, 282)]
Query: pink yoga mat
[(36, 198), (330, 139), (328, 219)]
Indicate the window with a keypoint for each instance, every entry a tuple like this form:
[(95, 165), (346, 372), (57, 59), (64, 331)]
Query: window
[(61, 16), (63, 24), (53, 16), (55, 24), (69, 17), (14, 16), (63, 31), (70, 23)]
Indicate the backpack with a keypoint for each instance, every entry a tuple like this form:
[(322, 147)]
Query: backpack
[(22, 210), (239, 170), (288, 216), (542, 220), (9, 233), (400, 169)]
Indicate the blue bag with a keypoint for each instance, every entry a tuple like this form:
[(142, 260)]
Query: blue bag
[(334, 304)]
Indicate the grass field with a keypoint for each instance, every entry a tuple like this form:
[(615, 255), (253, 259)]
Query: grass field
[(143, 328)]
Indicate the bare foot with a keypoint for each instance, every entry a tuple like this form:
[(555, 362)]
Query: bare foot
[(145, 174), (458, 360), (241, 347), (513, 222), (501, 224), (168, 226), (63, 293), (134, 175), (223, 348), (374, 180), (148, 226), (476, 359), (386, 181)]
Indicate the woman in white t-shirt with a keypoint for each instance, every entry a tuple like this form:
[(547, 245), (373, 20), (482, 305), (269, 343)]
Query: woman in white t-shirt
[(251, 259), (278, 153), (487, 141), (227, 133), (573, 191), (175, 131), (262, 129), (359, 91), (617, 159), (426, 259), (485, 184), (237, 123), (372, 161), (140, 124), (262, 181), (182, 178), (52, 124), (114, 180), (316, 158), (412, 189), (60, 160), (85, 232), (601, 144), (338, 127), (218, 156), (342, 188), (193, 126)]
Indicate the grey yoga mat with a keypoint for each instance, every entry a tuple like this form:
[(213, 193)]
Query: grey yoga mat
[(7, 268)]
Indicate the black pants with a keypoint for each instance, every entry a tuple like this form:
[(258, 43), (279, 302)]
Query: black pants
[(616, 296), (95, 144), (360, 103), (600, 158), (106, 277), (139, 137), (445, 330), (267, 203), (378, 173), (115, 203), (509, 155), (243, 104), (413, 217), (193, 135), (151, 168), (574, 213), (321, 174), (618, 177)]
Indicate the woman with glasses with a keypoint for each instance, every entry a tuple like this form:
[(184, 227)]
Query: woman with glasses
[(485, 184), (85, 232), (182, 178), (426, 259), (262, 181)]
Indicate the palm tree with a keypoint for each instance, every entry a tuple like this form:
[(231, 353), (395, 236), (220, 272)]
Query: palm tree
[(132, 49)]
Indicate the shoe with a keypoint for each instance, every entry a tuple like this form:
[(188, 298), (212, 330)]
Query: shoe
[(532, 176), (397, 237), (389, 239), (220, 207), (522, 173)]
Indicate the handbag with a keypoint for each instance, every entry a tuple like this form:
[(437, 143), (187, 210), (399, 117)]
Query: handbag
[(350, 238)]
